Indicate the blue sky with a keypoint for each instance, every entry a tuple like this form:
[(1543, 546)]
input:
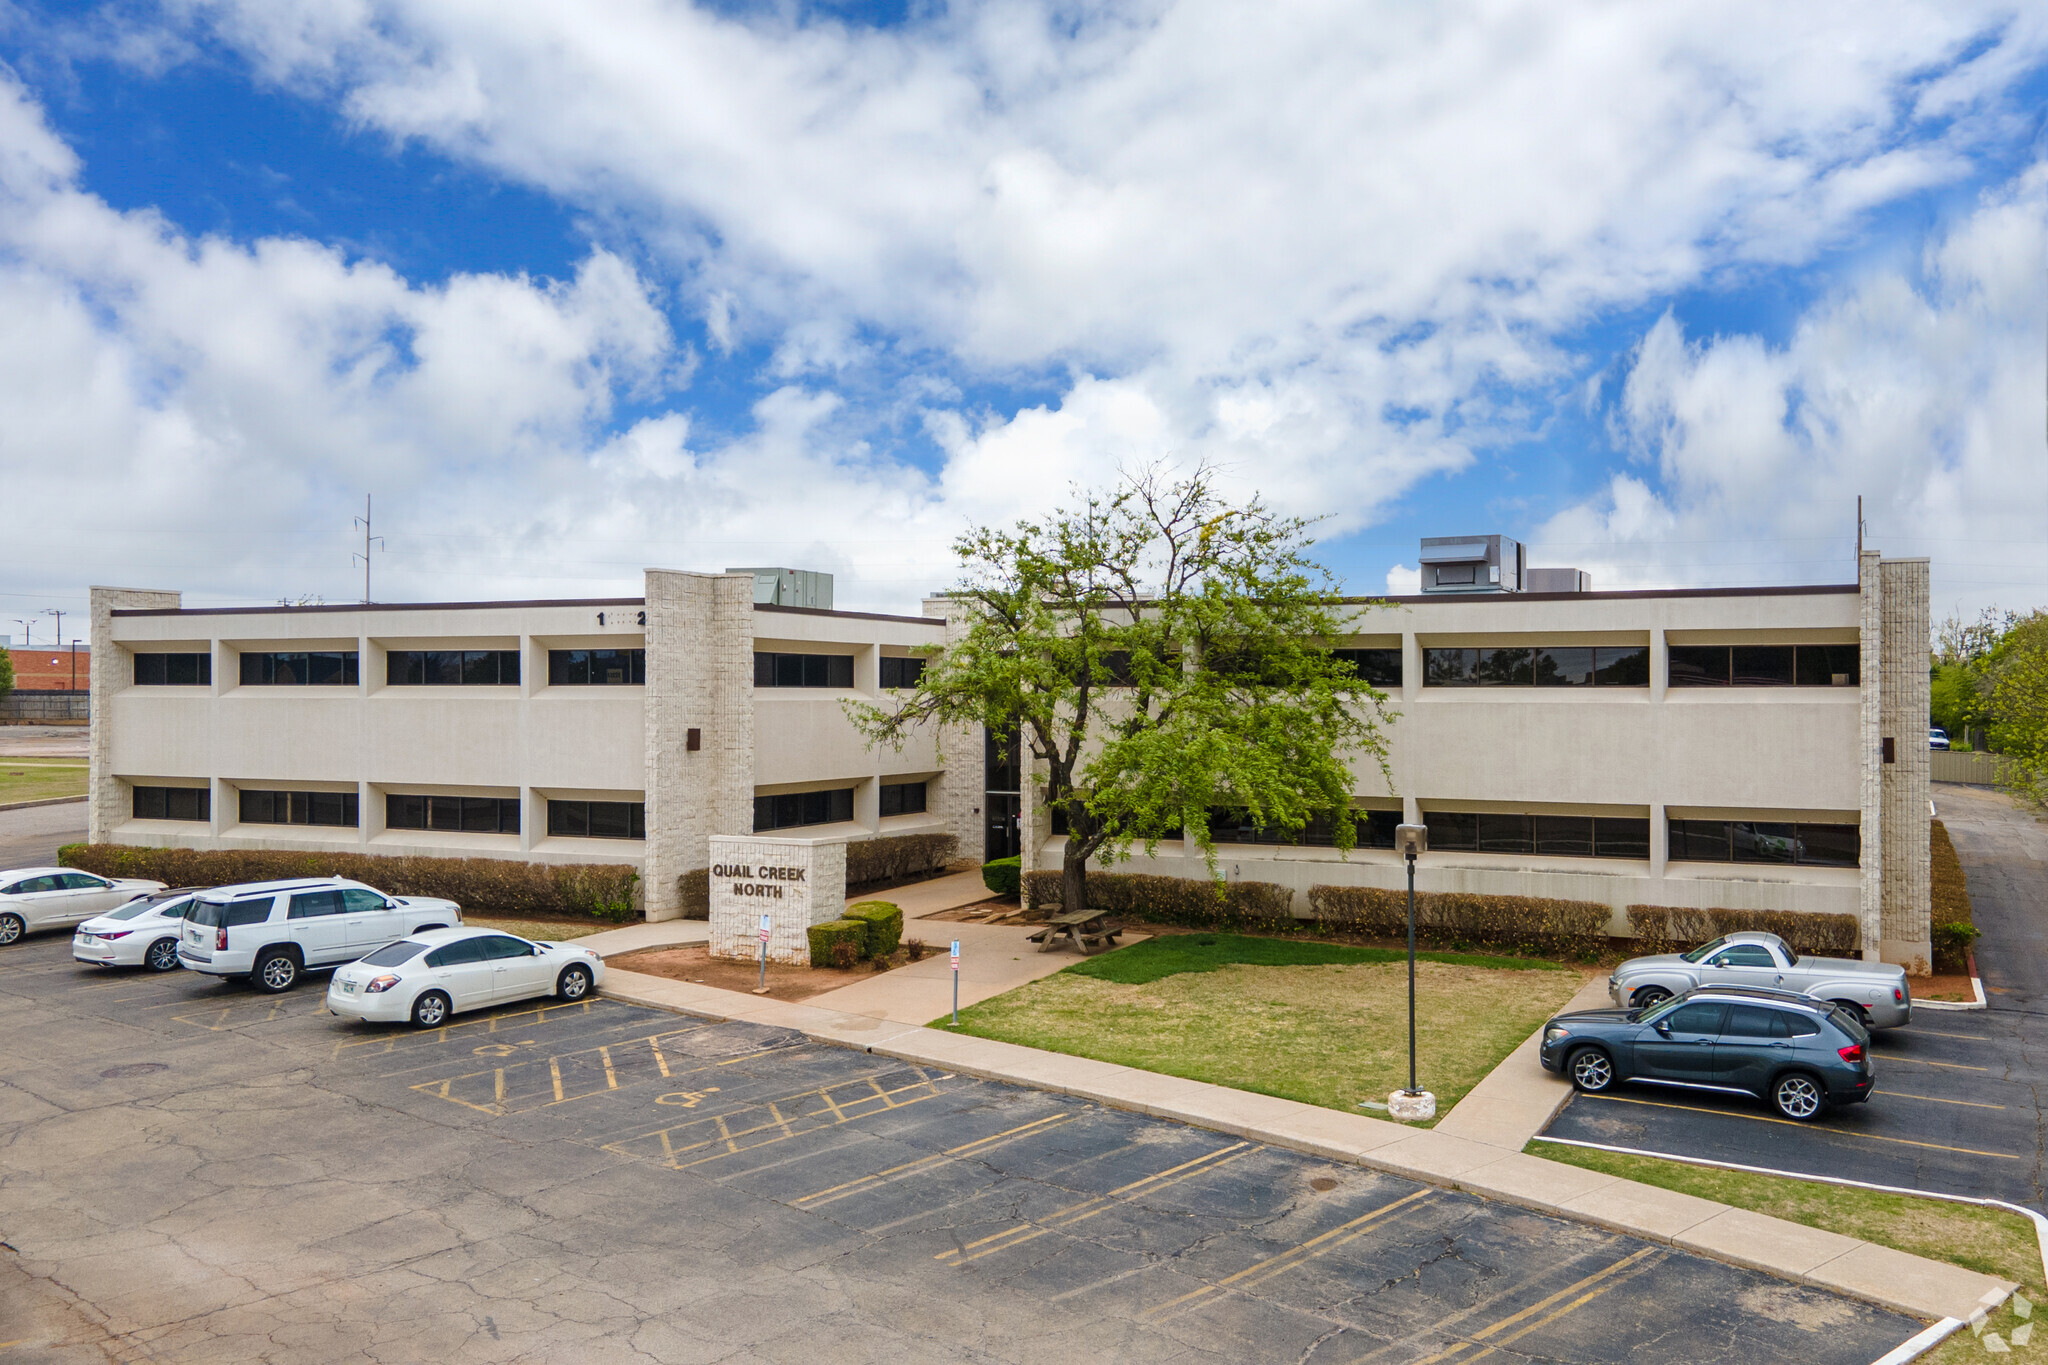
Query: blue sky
[(825, 284)]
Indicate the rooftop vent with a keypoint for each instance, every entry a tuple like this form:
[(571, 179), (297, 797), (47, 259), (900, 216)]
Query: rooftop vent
[(1490, 564), (790, 588)]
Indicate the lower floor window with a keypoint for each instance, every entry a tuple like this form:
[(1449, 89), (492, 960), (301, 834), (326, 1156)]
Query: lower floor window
[(901, 798), (299, 808), (1554, 836), (1375, 829), (173, 803), (463, 814), (597, 819), (792, 809), (1765, 841)]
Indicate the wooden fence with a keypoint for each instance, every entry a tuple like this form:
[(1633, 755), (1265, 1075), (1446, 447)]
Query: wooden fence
[(1978, 769)]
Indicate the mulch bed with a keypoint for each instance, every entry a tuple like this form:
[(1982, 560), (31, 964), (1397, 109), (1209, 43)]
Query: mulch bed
[(693, 963)]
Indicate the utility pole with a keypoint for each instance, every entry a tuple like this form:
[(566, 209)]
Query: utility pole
[(52, 611), (364, 522), (26, 642)]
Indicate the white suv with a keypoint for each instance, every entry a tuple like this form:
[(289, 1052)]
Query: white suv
[(272, 932)]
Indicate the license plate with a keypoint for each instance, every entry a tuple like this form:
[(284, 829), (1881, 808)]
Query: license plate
[(87, 938), (348, 988)]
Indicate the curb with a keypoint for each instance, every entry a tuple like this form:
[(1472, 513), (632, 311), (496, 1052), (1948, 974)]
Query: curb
[(47, 801), (1976, 985)]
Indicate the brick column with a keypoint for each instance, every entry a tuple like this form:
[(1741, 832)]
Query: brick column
[(1870, 755), (109, 673), (700, 675), (1906, 934)]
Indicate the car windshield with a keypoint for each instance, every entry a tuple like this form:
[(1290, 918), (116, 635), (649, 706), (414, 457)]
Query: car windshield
[(1696, 954), (391, 954)]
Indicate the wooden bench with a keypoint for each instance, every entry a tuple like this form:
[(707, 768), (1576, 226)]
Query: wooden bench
[(1080, 928)]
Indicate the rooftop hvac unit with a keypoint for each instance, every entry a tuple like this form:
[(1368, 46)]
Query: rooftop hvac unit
[(1469, 564), (791, 587)]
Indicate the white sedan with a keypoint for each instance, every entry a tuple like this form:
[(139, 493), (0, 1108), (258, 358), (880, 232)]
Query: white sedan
[(59, 897), (427, 977), (142, 933)]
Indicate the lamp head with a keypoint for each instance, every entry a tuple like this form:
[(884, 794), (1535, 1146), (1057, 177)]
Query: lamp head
[(1411, 840)]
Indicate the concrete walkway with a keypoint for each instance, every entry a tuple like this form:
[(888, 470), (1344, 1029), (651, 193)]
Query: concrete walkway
[(993, 958), (916, 900), (668, 933), (1826, 1260), (919, 899), (1518, 1098)]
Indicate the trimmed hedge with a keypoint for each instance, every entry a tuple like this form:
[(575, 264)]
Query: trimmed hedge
[(693, 893), (1003, 875), (499, 885), (1197, 903), (884, 922), (1675, 928), (838, 943), (895, 856), (1453, 918)]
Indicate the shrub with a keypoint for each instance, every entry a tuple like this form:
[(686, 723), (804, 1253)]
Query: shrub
[(1948, 893), (917, 948), (1952, 945), (1675, 928), (897, 856), (1003, 875), (693, 893), (1195, 902), (1461, 918), (494, 884), (884, 922), (837, 943)]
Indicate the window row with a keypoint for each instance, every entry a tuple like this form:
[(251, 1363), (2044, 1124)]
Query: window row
[(464, 814), (793, 809), (300, 668), (897, 671), (1380, 667), (454, 667), (298, 808), (174, 670), (597, 819), (1559, 836), (903, 798), (1765, 841), (1556, 666), (597, 668), (1375, 829), (808, 670), (173, 803), (1764, 665)]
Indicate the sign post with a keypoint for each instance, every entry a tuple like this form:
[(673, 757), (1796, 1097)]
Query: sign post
[(956, 983), (766, 926)]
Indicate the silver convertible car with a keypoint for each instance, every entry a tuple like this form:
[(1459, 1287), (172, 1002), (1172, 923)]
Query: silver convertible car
[(1874, 991)]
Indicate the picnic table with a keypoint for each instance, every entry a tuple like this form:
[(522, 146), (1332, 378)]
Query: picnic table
[(1080, 928)]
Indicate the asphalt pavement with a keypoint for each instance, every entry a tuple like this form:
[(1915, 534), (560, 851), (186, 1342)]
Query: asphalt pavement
[(190, 1171), (31, 836)]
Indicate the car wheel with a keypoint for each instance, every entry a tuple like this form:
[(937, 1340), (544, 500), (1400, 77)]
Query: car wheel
[(276, 971), (1862, 1014), (1647, 996), (12, 927), (1798, 1096), (1591, 1070), (430, 1010), (573, 983), (162, 955)]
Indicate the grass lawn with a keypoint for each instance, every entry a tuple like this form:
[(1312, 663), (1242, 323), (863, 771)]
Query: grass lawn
[(545, 930), (32, 779), (1321, 1023), (1987, 1240)]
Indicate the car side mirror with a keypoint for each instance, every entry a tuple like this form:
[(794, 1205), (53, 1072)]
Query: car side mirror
[(1664, 1027)]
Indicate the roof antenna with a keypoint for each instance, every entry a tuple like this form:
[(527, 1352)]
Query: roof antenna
[(364, 522)]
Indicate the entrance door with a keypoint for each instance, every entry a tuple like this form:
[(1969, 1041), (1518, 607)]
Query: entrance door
[(1002, 800)]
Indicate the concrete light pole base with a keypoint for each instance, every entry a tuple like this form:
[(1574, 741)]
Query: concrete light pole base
[(1411, 1107)]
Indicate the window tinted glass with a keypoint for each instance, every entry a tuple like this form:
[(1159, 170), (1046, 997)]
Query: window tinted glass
[(1763, 665), (1760, 841), (1505, 834), (1748, 955), (1828, 665), (1452, 829), (1570, 666), (208, 913), (355, 900), (1505, 668), (1621, 666), (1380, 667), (1698, 665), (1449, 667), (1699, 1018), (132, 909), (1829, 845), (1749, 1021), (790, 809), (501, 945), (1564, 836), (83, 881), (1801, 1026), (249, 912), (455, 954), (310, 904), (1621, 836), (391, 954)]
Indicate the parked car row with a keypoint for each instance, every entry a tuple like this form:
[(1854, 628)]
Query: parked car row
[(397, 958)]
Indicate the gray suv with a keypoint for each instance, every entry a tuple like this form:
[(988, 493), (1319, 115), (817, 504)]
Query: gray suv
[(1801, 1054)]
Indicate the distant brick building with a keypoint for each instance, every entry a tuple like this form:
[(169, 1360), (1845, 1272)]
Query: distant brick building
[(52, 670)]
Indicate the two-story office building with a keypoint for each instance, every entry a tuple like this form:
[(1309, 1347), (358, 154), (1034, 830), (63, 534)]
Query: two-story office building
[(1755, 748)]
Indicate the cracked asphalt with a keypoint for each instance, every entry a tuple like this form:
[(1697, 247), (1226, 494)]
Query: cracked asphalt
[(192, 1172)]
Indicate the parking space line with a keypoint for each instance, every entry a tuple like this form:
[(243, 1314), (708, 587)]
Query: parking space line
[(1274, 1266), (555, 1070), (1793, 1123), (1088, 1208), (780, 1126), (1930, 1033), (1935, 1099), (974, 1148), (1921, 1061), (433, 1037), (1594, 1285)]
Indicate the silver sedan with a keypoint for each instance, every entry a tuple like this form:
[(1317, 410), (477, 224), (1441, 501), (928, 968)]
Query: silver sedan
[(1876, 991)]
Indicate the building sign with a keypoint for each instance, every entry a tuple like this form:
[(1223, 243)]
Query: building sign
[(786, 884)]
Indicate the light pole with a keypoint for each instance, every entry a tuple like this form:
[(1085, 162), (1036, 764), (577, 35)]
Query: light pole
[(53, 611), (26, 642), (1414, 1103)]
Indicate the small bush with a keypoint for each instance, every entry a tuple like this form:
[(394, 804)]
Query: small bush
[(917, 948), (1003, 875), (1675, 928), (1460, 919), (502, 885), (896, 856), (1952, 945), (884, 922), (1195, 902), (838, 943), (693, 893)]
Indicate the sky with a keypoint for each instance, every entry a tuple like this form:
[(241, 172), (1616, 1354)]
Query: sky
[(576, 290)]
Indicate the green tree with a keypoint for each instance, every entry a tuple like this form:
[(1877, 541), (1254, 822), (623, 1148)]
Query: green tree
[(6, 672), (1954, 702), (2015, 692), (1162, 653)]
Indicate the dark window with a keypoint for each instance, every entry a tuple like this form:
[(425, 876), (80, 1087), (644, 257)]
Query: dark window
[(1449, 667), (1698, 665), (1751, 1021), (298, 808), (1376, 828), (1621, 666), (1621, 837), (391, 954), (311, 904), (1764, 841), (1565, 666), (173, 803), (173, 670), (458, 953), (903, 798), (896, 671), (1551, 666), (1564, 836), (1745, 955), (1457, 831), (255, 911), (469, 814), (597, 819), (1763, 666), (1380, 667), (1506, 834), (452, 667), (1700, 1018), (504, 945), (1505, 668), (357, 900), (597, 667), (791, 809), (1801, 1026), (808, 670), (300, 668), (1828, 665), (1560, 836)]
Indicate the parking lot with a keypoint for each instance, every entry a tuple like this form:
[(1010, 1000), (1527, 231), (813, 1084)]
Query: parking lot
[(189, 1171)]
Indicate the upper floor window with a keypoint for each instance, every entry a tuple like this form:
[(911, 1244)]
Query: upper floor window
[(1548, 666), (901, 798), (1552, 836), (452, 668), (173, 803), (809, 670), (463, 814), (299, 808), (791, 809), (896, 671), (1380, 667), (1764, 665), (597, 819), (1765, 841), (300, 668), (174, 670), (1375, 829), (597, 668)]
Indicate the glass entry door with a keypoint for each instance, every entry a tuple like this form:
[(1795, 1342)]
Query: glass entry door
[(1002, 801)]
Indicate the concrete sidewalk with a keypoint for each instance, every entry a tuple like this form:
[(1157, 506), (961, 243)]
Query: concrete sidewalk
[(919, 899), (668, 933), (1518, 1098), (993, 958), (1825, 1260)]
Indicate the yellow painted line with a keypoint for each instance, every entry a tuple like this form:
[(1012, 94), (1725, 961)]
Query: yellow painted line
[(1916, 1061), (611, 1080), (555, 1070), (1480, 1337), (1794, 1123), (498, 1086), (782, 1126), (1935, 1099), (1272, 1266), (836, 1192), (654, 1041), (1928, 1032)]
